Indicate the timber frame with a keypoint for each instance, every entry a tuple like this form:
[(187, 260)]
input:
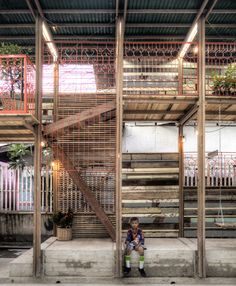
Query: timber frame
[(179, 109)]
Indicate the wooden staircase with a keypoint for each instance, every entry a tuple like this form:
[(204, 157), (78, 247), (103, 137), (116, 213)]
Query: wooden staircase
[(150, 191)]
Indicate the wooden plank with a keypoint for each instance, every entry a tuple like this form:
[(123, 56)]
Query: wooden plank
[(83, 188), (149, 195), (150, 170), (226, 225), (79, 117)]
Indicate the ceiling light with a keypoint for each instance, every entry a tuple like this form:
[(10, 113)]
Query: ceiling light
[(190, 38), (49, 41)]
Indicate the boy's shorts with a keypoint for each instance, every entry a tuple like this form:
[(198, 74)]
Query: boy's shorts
[(131, 245)]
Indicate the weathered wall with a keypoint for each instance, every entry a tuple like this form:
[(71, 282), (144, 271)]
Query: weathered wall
[(18, 227), (165, 138)]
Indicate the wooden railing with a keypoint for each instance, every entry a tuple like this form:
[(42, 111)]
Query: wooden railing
[(17, 189), (220, 170)]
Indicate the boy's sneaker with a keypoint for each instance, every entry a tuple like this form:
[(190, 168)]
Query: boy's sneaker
[(142, 272), (127, 271)]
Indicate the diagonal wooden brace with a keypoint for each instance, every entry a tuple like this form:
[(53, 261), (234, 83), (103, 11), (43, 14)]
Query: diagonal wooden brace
[(84, 189), (79, 117)]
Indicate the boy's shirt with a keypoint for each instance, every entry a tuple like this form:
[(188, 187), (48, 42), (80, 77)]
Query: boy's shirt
[(137, 237)]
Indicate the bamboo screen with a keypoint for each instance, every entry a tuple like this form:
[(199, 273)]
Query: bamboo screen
[(86, 83)]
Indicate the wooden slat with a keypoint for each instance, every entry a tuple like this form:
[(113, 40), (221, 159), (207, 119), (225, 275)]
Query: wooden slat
[(79, 117)]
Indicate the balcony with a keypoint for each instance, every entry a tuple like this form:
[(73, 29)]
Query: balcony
[(17, 98)]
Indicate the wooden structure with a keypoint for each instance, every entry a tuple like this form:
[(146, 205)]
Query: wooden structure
[(154, 83)]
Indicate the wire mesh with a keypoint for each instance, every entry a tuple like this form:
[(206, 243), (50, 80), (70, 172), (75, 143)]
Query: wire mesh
[(86, 84)]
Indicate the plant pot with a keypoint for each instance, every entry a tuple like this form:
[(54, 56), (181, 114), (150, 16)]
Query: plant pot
[(64, 233)]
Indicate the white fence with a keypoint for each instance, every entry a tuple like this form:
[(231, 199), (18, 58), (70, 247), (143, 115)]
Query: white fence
[(17, 189), (220, 170)]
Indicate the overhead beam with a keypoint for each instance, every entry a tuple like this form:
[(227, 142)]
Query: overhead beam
[(188, 115), (77, 37), (79, 117), (110, 25), (112, 11), (84, 189)]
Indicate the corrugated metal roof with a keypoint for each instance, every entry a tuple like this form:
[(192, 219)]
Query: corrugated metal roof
[(109, 18), (75, 4), (164, 4), (160, 18)]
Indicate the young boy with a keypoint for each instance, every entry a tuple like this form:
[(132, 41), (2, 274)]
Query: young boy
[(134, 241)]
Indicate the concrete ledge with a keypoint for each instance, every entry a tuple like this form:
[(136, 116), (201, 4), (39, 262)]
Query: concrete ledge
[(95, 258), (83, 258), (22, 266)]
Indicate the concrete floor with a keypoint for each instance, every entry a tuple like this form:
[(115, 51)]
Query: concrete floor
[(92, 261)]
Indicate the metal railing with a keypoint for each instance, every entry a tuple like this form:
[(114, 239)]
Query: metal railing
[(17, 84), (220, 170), (17, 189)]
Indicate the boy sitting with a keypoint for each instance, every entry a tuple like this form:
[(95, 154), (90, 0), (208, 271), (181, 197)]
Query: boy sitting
[(134, 241)]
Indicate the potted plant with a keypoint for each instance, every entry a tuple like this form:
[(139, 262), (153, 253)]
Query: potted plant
[(63, 222), (225, 84)]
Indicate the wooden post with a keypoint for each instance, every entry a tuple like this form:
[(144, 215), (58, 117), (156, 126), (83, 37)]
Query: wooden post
[(56, 90), (55, 168), (119, 121), (37, 152), (181, 182), (201, 151)]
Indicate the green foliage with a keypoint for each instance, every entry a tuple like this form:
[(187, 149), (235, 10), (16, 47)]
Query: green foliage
[(10, 49), (16, 153), (63, 220), (226, 83)]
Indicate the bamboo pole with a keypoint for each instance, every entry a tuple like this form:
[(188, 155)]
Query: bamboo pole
[(37, 152), (119, 115), (201, 151)]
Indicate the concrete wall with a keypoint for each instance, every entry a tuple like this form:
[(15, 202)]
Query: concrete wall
[(165, 138), (18, 227)]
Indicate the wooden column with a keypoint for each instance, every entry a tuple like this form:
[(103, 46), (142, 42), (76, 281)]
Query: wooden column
[(181, 182), (37, 152), (201, 151), (56, 90), (55, 116), (119, 119)]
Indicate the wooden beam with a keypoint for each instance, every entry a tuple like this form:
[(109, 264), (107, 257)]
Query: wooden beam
[(188, 115), (37, 257), (28, 126), (84, 189), (79, 117), (201, 249)]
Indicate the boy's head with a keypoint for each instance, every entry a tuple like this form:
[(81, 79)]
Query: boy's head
[(134, 222)]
